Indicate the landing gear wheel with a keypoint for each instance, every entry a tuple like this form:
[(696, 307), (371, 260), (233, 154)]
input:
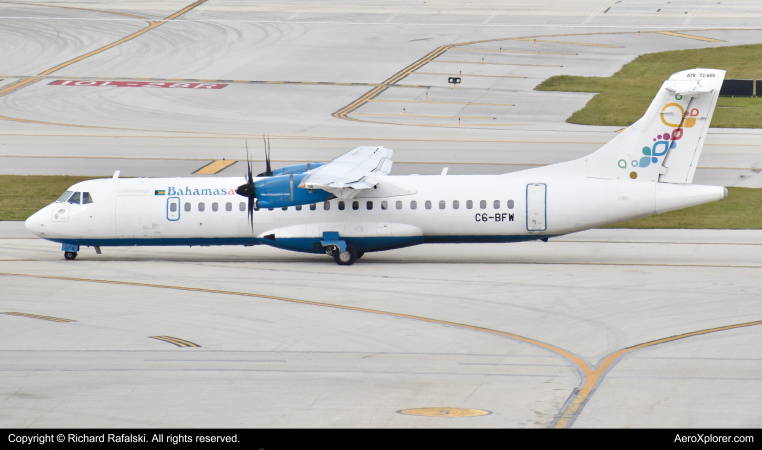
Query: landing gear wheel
[(346, 258), (70, 255), (359, 254)]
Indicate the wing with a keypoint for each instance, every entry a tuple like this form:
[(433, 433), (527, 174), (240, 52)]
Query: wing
[(353, 171)]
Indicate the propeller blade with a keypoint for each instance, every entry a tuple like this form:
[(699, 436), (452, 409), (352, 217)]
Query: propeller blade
[(248, 163), (268, 168), (251, 212)]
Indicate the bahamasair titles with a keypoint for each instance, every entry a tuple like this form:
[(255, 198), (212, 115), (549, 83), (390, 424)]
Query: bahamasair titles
[(353, 205)]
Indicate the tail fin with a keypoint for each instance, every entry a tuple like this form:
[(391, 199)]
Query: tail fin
[(665, 144)]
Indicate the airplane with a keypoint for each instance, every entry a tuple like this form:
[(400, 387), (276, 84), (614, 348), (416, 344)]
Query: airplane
[(352, 205)]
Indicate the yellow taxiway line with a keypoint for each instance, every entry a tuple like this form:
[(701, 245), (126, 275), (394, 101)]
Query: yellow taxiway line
[(36, 316), (151, 25), (175, 341), (689, 36), (215, 167), (591, 377), (423, 115)]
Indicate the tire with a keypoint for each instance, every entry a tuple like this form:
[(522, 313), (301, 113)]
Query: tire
[(70, 256), (346, 258), (359, 254)]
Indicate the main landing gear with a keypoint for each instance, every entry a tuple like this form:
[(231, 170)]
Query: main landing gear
[(346, 258), (70, 256)]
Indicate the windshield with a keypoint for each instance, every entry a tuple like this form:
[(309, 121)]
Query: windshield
[(65, 196)]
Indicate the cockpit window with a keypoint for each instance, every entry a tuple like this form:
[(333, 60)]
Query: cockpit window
[(75, 198), (65, 196), (86, 198)]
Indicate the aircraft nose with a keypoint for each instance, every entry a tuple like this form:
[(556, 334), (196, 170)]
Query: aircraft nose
[(34, 223)]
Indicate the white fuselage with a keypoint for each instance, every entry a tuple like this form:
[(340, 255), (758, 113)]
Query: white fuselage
[(532, 204)]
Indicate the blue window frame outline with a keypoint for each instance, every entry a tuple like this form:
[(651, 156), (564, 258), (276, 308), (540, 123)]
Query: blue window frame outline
[(178, 208), (544, 205)]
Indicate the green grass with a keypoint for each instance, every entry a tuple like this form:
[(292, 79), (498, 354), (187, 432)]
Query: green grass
[(23, 195), (742, 210), (624, 97)]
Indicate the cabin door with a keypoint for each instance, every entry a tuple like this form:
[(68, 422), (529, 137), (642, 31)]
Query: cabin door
[(536, 209), (133, 216)]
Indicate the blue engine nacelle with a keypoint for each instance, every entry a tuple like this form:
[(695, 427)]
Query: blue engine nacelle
[(297, 168), (283, 190)]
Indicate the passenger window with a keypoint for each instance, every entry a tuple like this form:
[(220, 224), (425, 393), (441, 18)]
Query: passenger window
[(341, 206), (413, 204), (469, 204), (285, 209), (298, 207), (355, 205), (441, 204), (215, 207), (86, 198), (201, 206), (313, 207), (455, 204), (384, 205), (496, 204), (483, 204), (228, 206), (188, 207), (173, 207), (326, 205), (428, 204), (75, 198), (399, 204), (369, 205), (241, 207), (65, 196), (510, 204)]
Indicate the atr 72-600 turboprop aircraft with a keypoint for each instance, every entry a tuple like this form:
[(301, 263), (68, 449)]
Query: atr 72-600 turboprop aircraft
[(351, 205)]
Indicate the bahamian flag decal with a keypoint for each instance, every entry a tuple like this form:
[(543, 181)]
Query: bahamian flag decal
[(160, 192)]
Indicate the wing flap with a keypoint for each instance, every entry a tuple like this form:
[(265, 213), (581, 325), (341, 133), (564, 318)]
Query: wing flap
[(356, 169)]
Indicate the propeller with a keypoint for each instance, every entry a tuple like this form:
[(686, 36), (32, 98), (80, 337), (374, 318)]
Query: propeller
[(247, 190), (268, 170)]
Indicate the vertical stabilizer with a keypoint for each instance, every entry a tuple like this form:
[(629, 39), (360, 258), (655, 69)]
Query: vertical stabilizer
[(665, 144)]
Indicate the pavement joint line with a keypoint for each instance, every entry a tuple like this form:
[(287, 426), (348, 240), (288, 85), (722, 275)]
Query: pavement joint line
[(564, 42), (489, 50), (489, 64), (590, 376), (446, 103), (37, 316), (199, 80), (466, 75)]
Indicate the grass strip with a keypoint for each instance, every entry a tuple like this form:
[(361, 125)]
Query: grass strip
[(624, 97), (742, 210), (23, 195)]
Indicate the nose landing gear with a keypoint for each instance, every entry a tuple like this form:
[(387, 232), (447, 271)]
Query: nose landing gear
[(70, 256)]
